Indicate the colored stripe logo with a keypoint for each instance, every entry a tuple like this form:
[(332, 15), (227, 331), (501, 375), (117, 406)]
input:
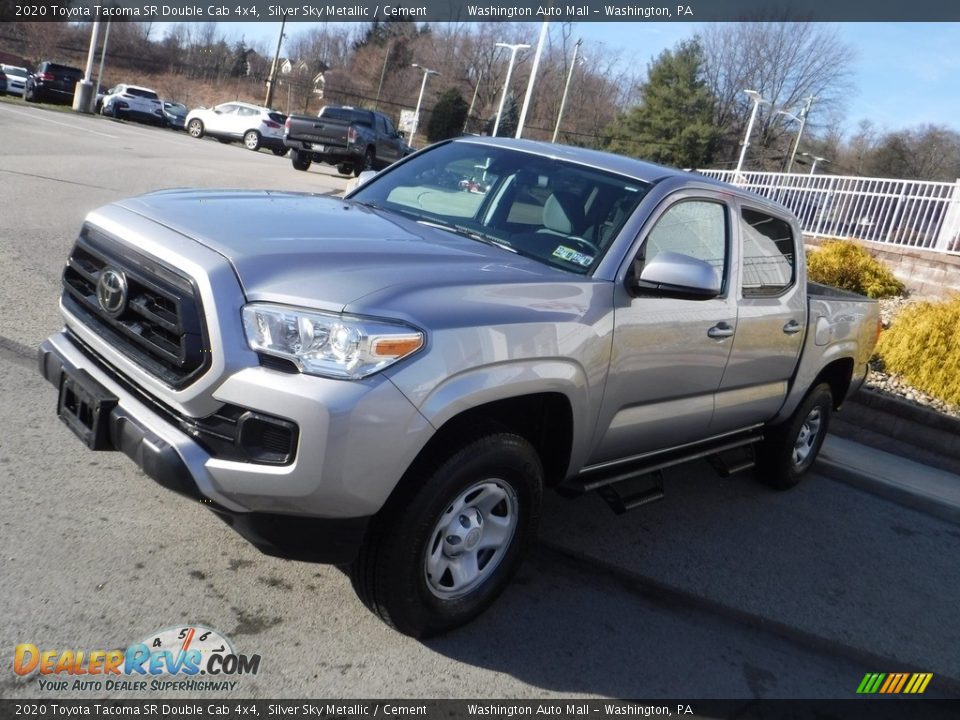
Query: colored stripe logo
[(894, 683)]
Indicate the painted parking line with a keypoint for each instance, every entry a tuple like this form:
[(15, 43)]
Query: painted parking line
[(39, 116)]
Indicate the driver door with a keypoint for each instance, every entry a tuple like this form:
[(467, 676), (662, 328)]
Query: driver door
[(669, 352)]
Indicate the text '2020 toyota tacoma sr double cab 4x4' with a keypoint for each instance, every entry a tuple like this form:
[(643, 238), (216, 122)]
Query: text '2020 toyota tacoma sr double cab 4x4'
[(392, 380)]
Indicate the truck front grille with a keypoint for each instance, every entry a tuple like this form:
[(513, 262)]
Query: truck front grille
[(158, 324)]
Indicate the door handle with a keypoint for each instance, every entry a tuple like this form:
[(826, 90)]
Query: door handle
[(792, 327), (720, 330)]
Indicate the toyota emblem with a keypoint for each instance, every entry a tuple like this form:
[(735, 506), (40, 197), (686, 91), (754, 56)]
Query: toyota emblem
[(112, 291)]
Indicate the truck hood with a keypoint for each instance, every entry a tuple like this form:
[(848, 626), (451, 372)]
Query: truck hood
[(326, 253)]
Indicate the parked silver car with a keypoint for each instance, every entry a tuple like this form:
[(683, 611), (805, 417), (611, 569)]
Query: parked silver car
[(253, 125)]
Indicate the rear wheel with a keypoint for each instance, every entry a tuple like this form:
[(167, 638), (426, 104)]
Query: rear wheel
[(251, 139), (279, 151), (790, 449), (369, 157), (440, 553), (30, 95), (300, 160), (195, 128), (345, 169)]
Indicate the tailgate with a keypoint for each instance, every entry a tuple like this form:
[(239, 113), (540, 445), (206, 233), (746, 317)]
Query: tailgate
[(319, 130)]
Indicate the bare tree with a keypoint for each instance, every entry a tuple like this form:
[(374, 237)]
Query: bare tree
[(785, 62)]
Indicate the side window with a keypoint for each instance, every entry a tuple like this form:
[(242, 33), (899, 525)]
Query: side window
[(389, 128), (381, 126), (768, 253), (697, 228)]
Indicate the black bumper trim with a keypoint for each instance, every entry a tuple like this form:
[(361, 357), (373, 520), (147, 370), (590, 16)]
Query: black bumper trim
[(333, 541)]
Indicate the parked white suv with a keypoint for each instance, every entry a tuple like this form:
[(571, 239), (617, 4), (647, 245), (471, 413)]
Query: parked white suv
[(134, 103), (16, 78), (254, 125)]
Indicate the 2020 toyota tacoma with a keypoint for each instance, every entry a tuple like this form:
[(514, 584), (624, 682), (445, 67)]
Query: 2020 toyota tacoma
[(393, 379)]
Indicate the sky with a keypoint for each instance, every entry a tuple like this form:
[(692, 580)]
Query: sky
[(904, 75)]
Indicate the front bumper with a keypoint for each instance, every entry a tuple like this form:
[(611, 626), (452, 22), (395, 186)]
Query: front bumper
[(316, 508)]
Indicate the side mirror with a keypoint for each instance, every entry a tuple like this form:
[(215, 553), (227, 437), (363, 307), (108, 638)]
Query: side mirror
[(677, 275), (401, 134)]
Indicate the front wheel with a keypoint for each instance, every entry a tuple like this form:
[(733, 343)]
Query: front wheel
[(195, 128), (790, 449), (440, 553), (251, 139)]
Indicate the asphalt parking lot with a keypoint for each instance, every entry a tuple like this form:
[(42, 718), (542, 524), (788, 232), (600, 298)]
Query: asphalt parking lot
[(724, 589)]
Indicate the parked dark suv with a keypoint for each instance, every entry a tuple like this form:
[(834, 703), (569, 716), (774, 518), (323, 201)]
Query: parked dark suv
[(52, 82)]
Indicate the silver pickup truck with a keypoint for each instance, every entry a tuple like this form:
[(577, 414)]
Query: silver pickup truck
[(391, 380)]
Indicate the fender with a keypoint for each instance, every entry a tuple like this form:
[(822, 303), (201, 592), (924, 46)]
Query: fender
[(501, 381)]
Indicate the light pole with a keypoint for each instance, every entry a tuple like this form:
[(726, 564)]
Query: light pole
[(532, 79), (566, 89), (272, 79), (757, 101), (795, 119), (506, 85), (803, 121), (816, 159), (473, 101), (427, 72)]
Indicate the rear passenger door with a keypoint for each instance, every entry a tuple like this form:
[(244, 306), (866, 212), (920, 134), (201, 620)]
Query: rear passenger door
[(770, 324)]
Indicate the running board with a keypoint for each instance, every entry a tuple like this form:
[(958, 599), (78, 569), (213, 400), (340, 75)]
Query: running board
[(621, 487)]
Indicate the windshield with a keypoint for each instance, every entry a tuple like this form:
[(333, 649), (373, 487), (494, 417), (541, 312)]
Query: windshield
[(555, 211)]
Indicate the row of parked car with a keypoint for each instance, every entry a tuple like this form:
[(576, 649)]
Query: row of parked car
[(255, 126)]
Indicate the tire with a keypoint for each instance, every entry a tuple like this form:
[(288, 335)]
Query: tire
[(424, 567), (369, 157), (279, 152), (30, 95), (300, 160), (345, 169), (251, 140), (790, 449), (195, 128)]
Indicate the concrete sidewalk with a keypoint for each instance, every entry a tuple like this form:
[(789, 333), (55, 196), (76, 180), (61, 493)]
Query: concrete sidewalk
[(924, 488)]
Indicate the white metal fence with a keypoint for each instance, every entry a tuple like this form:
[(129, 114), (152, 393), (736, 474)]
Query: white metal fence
[(911, 213)]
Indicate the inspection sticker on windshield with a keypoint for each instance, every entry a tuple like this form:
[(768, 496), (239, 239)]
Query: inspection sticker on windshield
[(571, 255)]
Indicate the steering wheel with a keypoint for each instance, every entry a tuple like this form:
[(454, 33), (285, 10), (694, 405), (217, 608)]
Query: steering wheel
[(586, 243)]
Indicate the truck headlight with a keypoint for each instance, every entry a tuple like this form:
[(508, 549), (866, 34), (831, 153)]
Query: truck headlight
[(328, 344)]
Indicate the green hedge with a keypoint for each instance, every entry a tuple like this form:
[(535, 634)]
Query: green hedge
[(847, 265)]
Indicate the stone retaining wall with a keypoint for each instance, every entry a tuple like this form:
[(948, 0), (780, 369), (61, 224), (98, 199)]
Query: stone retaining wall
[(898, 426)]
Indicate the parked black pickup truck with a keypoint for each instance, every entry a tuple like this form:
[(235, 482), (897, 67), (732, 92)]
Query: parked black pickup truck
[(350, 138)]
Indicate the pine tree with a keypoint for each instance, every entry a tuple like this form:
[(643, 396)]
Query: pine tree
[(448, 116), (673, 124)]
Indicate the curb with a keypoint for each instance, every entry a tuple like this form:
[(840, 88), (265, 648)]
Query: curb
[(898, 426), (901, 494)]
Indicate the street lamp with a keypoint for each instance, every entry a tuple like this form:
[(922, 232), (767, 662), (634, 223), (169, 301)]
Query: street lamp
[(506, 85), (803, 121), (757, 101), (427, 72), (816, 159)]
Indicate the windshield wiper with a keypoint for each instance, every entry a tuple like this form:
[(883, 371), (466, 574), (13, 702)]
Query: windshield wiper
[(470, 233)]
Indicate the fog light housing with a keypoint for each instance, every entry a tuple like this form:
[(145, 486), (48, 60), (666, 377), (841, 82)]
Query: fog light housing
[(266, 439)]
